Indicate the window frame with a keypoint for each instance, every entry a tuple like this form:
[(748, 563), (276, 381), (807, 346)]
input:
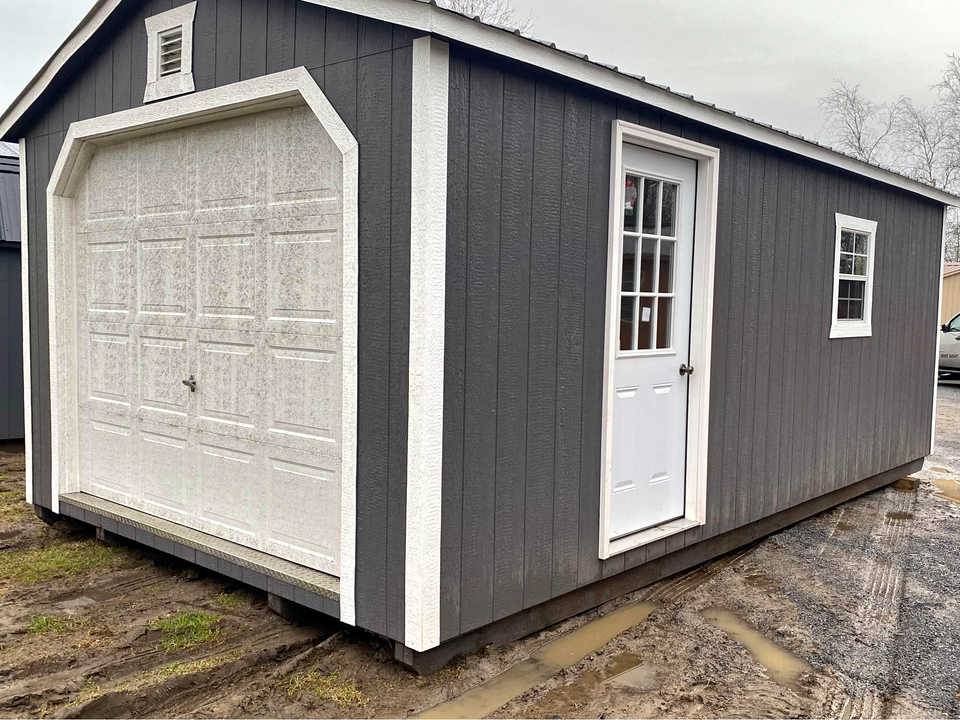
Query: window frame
[(844, 328), (181, 82)]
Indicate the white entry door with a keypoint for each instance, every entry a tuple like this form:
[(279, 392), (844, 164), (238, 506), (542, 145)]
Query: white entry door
[(209, 278), (651, 372)]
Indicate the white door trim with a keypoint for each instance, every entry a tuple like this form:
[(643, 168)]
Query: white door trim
[(936, 345), (25, 310), (701, 328), (288, 88)]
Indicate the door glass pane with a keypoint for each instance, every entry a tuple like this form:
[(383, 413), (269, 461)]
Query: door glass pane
[(667, 248), (631, 205), (846, 241), (664, 322), (855, 311), (861, 244), (629, 267), (668, 218), (648, 258), (628, 317), (651, 201), (645, 333)]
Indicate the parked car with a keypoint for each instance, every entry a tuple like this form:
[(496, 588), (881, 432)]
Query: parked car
[(950, 346)]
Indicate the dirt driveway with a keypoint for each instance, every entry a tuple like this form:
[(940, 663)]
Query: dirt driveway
[(852, 613)]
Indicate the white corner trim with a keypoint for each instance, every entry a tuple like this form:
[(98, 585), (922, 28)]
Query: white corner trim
[(182, 82), (936, 346), (25, 310), (428, 237), (279, 89), (701, 329), (853, 328)]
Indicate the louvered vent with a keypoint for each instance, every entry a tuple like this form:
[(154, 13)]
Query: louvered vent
[(171, 51)]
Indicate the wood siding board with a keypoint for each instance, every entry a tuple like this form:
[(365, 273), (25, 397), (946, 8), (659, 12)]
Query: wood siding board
[(88, 93), (633, 558), (104, 81), (228, 42), (761, 504), (41, 482), (825, 398), (253, 39), (570, 330), (41, 162), (651, 117), (818, 244), (281, 34), (402, 120), (480, 422), (374, 36), (922, 319), (204, 47), (926, 326), (869, 440), (885, 302), (122, 49), (310, 35), (615, 564), (516, 200), (71, 104), (458, 173), (747, 445), (628, 112), (595, 298), (837, 388), (340, 87), (541, 384), (850, 371), (138, 49), (341, 37), (373, 100)]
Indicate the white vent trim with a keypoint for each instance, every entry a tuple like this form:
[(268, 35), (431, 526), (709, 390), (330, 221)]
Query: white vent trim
[(169, 64)]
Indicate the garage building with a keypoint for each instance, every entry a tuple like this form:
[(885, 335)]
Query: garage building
[(438, 329)]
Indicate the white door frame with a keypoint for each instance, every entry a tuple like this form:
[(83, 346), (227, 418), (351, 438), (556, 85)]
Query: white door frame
[(701, 329), (283, 89)]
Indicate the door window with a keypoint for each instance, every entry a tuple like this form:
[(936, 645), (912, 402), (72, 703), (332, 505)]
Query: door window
[(647, 263)]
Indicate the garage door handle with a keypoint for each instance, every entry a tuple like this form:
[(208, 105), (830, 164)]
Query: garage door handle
[(191, 383)]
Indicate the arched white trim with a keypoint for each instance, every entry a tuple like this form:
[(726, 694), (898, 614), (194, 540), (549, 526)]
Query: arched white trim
[(291, 87)]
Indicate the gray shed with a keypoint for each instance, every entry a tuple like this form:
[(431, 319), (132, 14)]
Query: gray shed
[(440, 330), (11, 322)]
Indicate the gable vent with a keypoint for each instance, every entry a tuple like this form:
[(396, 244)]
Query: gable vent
[(171, 51)]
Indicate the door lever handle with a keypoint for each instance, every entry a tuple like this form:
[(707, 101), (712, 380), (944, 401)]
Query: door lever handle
[(191, 383), (686, 369)]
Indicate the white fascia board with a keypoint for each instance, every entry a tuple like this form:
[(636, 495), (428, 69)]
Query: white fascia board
[(428, 237), (25, 311)]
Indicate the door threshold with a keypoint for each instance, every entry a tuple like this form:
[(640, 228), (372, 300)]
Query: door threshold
[(645, 537), (299, 575)]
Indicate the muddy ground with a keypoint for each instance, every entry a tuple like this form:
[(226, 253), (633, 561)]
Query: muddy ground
[(852, 613)]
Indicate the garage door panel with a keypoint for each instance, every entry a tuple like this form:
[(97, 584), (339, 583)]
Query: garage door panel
[(166, 470), (226, 187), (226, 278), (107, 268), (106, 380), (303, 519), (230, 494), (228, 383), (303, 393), (164, 361), (164, 276), (109, 187), (165, 173), (108, 457)]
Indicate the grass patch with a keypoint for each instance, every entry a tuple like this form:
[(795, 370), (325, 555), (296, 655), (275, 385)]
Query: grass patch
[(43, 624), (187, 629), (234, 600), (179, 669), (327, 687), (13, 506), (59, 559)]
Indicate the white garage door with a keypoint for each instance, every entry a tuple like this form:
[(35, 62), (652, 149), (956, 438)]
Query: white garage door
[(213, 255)]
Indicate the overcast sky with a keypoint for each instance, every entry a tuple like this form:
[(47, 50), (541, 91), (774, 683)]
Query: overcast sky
[(768, 59)]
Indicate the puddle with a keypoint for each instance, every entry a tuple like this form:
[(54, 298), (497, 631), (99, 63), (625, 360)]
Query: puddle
[(781, 666), (899, 516), (568, 700), (842, 527), (643, 678), (756, 579), (907, 484), (546, 662), (949, 489)]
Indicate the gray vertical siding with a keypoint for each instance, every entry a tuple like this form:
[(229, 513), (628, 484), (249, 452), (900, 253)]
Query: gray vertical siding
[(365, 69), (11, 345), (794, 415)]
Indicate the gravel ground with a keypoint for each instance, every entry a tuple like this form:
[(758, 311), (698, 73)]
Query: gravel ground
[(851, 613)]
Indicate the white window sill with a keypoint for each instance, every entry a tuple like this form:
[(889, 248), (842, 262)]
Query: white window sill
[(850, 330)]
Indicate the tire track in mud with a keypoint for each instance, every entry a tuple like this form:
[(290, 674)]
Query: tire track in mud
[(877, 611)]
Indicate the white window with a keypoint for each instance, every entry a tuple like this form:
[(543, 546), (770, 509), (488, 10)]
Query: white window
[(853, 277), (170, 53)]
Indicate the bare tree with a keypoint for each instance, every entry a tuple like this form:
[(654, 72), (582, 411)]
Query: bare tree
[(502, 13), (859, 127), (926, 143)]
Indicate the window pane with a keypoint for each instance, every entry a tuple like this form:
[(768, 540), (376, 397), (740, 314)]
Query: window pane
[(631, 208), (629, 267), (664, 322), (628, 317), (651, 199), (860, 266), (846, 264), (856, 289), (648, 258), (861, 244), (645, 335), (842, 309), (668, 218), (856, 310), (843, 289), (846, 241), (666, 266)]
